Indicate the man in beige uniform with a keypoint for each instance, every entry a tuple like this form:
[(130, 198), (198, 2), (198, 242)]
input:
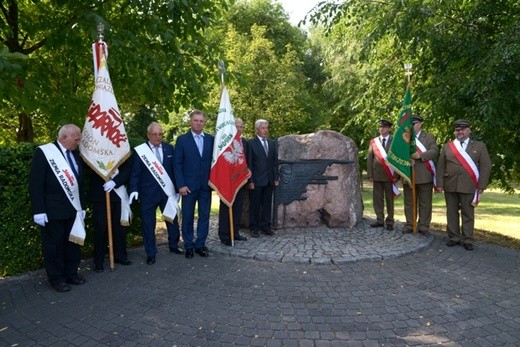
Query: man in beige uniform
[(458, 162), (380, 178), (422, 161)]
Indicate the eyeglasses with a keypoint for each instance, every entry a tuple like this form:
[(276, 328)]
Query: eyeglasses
[(156, 134)]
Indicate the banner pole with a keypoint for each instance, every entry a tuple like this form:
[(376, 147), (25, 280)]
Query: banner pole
[(231, 226), (109, 230)]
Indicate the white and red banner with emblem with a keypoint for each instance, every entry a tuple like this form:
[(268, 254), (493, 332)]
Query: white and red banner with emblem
[(104, 143), (229, 171)]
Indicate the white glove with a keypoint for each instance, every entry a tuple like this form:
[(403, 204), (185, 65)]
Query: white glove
[(83, 214), (108, 186), (40, 219), (133, 196)]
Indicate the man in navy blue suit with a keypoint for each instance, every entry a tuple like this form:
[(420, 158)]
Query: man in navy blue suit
[(263, 163), (194, 151), (145, 186)]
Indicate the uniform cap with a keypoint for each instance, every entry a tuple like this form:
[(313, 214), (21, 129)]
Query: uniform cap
[(462, 123), (385, 123)]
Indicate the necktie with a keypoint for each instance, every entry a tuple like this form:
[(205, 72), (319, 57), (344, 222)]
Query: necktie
[(462, 144), (384, 142), (71, 163), (157, 151), (266, 149), (198, 141)]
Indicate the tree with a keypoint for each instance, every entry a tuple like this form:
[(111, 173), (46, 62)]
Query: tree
[(159, 57), (466, 57)]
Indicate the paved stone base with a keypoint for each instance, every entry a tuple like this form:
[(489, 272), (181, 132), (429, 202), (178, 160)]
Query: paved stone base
[(323, 245)]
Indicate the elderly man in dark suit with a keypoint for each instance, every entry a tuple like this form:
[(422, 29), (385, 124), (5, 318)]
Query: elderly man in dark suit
[(263, 163), (145, 187), (424, 169), (97, 194), (194, 151), (55, 210), (464, 168), (238, 204)]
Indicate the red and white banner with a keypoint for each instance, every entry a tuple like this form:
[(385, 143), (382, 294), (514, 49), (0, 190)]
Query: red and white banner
[(229, 171), (469, 165), (430, 165), (104, 144), (380, 154)]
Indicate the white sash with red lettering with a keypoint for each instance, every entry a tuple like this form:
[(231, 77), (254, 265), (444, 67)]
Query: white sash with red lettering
[(161, 176), (380, 154), (430, 165), (469, 165), (61, 169)]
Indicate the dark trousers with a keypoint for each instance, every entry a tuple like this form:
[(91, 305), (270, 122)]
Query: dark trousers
[(423, 200), (101, 232), (223, 216), (149, 220), (60, 256), (458, 207), (261, 199), (203, 199), (381, 194)]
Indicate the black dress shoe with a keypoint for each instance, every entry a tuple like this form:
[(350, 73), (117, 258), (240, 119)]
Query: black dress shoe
[(150, 260), (268, 232), (376, 225), (123, 262), (255, 233), (389, 227), (226, 242), (240, 238), (98, 268), (176, 250), (189, 253), (452, 243), (468, 246), (203, 251), (407, 231), (61, 287), (77, 280)]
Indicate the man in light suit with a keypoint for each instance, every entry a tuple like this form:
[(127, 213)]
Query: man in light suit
[(263, 163), (461, 192), (194, 151), (382, 182), (144, 186), (54, 212), (238, 204), (423, 180)]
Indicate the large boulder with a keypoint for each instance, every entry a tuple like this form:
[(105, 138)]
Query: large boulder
[(331, 202)]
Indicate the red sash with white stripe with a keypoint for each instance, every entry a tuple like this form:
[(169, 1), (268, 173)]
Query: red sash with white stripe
[(469, 165), (430, 165), (380, 154)]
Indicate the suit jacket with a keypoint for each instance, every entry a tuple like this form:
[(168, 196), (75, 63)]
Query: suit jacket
[(142, 181), (96, 191), (192, 169), (47, 195), (374, 169), (453, 178), (422, 174), (264, 168)]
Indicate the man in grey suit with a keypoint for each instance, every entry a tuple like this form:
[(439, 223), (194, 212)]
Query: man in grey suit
[(263, 163), (424, 169), (463, 170)]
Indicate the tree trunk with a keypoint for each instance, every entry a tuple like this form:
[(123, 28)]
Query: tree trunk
[(25, 131)]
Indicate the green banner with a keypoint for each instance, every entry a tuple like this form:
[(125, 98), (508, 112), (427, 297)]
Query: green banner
[(403, 142)]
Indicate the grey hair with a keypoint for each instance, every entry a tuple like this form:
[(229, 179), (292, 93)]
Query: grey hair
[(260, 122)]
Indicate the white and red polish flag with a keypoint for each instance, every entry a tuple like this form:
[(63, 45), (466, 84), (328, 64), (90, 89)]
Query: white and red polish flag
[(104, 143), (229, 171)]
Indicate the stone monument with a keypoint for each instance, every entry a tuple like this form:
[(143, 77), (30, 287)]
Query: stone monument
[(320, 181)]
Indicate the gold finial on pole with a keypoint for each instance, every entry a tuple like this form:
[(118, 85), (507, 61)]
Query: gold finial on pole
[(221, 69), (408, 71), (100, 30)]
